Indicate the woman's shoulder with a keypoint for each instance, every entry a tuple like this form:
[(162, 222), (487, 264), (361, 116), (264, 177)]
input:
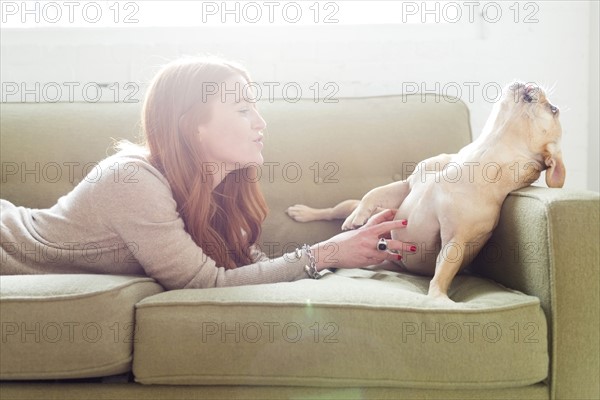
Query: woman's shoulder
[(128, 169), (130, 159), (130, 153), (129, 188)]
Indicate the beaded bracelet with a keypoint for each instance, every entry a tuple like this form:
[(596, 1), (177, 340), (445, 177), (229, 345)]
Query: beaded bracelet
[(311, 268)]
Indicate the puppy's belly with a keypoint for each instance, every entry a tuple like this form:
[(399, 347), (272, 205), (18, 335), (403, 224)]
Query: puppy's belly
[(422, 231)]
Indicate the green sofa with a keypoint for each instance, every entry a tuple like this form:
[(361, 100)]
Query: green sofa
[(524, 325)]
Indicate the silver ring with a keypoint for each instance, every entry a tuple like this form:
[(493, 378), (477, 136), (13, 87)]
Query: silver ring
[(382, 244)]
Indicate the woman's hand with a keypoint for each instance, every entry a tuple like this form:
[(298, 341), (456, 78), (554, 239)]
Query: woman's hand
[(358, 248)]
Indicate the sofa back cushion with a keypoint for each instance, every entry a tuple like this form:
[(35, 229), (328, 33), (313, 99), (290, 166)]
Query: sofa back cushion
[(319, 154)]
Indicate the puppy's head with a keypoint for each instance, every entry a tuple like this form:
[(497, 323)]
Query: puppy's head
[(527, 112)]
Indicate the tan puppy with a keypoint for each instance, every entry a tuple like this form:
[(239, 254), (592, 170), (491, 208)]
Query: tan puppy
[(452, 201)]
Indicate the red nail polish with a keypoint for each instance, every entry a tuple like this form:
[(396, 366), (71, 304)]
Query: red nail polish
[(413, 248), (399, 257), (404, 222)]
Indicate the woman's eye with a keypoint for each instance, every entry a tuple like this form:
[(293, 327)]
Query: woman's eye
[(244, 111)]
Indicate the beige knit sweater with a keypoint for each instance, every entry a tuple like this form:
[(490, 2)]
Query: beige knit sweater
[(122, 219)]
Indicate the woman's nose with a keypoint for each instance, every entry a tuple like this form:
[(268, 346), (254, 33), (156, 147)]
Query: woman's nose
[(259, 122)]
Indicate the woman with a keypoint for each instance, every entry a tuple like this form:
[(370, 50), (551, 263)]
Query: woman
[(181, 208)]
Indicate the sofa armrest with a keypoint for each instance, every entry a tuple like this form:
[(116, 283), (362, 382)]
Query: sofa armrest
[(546, 245)]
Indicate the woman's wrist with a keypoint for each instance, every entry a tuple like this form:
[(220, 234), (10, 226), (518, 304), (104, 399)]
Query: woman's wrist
[(311, 267), (316, 262), (322, 260)]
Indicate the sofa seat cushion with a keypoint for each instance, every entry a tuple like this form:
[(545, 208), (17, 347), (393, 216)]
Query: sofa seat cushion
[(350, 328), (68, 326)]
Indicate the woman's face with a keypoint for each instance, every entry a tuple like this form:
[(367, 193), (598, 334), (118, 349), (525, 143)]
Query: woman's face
[(232, 137)]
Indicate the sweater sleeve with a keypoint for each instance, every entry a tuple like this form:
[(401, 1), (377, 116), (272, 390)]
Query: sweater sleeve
[(137, 204)]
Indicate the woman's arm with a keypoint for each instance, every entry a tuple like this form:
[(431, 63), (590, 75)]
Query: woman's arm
[(136, 204)]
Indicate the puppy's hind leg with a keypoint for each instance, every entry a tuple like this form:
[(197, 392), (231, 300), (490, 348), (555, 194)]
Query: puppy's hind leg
[(455, 254), (302, 213), (449, 261)]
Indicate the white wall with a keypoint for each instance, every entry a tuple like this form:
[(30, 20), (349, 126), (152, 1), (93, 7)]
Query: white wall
[(558, 50), (594, 103)]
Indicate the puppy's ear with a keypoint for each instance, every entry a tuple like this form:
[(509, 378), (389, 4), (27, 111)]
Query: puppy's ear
[(556, 173), (530, 93)]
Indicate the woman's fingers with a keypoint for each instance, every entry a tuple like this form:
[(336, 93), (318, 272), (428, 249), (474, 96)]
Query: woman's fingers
[(388, 226), (397, 251), (396, 246)]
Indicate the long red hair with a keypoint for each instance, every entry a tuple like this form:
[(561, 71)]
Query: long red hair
[(224, 222)]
